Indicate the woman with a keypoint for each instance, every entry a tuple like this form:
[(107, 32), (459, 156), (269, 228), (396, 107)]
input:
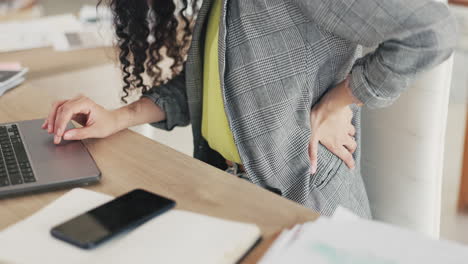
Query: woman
[(271, 88)]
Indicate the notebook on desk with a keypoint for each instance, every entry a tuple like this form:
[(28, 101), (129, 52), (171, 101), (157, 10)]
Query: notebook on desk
[(174, 237), (11, 78)]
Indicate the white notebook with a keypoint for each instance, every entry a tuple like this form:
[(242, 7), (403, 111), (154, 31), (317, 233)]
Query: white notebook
[(11, 78), (174, 237)]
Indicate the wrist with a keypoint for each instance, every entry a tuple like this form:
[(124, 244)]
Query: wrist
[(353, 99), (336, 99), (122, 117)]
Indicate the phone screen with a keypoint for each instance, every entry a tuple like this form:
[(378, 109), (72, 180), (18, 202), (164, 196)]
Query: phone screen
[(119, 215)]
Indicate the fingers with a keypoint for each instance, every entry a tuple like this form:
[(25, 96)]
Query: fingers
[(64, 114), (352, 131), (344, 155), (44, 125), (50, 121), (343, 152), (78, 133), (349, 113), (313, 150), (351, 145)]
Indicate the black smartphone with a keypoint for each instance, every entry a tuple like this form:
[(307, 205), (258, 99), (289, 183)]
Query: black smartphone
[(110, 219)]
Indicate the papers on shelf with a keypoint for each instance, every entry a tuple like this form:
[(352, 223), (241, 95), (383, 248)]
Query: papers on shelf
[(35, 33), (345, 238), (173, 237), (63, 32), (97, 30)]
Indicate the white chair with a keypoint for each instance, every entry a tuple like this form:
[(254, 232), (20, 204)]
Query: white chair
[(402, 154)]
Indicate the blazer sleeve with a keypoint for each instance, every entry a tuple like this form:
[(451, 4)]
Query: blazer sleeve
[(172, 98), (411, 36)]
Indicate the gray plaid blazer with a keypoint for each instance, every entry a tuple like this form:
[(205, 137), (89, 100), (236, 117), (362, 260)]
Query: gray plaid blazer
[(278, 57)]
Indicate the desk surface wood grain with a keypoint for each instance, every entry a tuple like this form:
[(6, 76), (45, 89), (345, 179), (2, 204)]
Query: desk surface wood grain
[(128, 160)]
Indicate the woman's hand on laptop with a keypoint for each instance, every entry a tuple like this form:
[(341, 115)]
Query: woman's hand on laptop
[(97, 121)]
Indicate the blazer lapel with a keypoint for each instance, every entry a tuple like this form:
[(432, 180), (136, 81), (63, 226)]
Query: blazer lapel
[(194, 67)]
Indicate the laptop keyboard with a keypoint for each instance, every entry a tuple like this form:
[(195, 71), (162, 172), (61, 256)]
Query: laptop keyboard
[(15, 167)]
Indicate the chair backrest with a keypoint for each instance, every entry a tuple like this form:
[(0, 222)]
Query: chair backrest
[(402, 158)]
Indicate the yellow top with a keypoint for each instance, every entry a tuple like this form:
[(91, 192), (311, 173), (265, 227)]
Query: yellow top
[(215, 126)]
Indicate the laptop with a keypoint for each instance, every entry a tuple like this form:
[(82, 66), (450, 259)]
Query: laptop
[(30, 161)]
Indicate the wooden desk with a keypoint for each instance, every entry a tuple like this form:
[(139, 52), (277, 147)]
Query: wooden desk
[(44, 62), (128, 160)]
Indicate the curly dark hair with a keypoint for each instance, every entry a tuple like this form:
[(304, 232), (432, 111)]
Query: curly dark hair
[(149, 31)]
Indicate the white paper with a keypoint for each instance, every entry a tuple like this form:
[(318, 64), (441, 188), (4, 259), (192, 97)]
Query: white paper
[(344, 214), (283, 241), (174, 237), (345, 238)]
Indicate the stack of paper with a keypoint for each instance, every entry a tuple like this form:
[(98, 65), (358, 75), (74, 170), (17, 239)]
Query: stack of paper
[(11, 75), (345, 238), (173, 237)]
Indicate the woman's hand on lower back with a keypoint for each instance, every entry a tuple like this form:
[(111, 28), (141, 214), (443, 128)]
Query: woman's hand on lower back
[(331, 126), (97, 121)]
